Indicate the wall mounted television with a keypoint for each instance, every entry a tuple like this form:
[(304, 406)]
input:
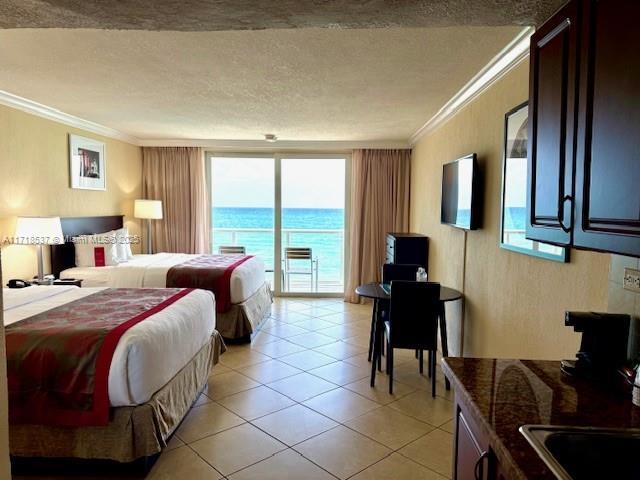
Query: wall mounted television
[(461, 197)]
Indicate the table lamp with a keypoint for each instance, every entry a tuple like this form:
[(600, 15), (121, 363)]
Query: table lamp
[(148, 210), (39, 231)]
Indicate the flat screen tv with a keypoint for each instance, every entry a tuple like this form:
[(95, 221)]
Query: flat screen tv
[(460, 205)]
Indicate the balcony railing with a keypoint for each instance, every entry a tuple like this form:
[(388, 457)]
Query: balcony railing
[(327, 248)]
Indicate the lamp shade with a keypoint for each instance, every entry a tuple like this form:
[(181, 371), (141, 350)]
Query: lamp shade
[(39, 231), (149, 209)]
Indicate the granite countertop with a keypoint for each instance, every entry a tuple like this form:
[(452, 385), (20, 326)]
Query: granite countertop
[(503, 395)]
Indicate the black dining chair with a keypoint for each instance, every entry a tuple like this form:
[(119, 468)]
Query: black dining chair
[(391, 272), (400, 271), (412, 323)]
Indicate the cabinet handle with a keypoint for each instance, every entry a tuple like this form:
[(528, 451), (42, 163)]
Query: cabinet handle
[(478, 470), (561, 212)]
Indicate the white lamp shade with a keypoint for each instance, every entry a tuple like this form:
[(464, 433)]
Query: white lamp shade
[(39, 231), (150, 209)]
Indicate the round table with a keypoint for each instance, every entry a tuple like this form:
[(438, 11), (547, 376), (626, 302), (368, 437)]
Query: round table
[(376, 292)]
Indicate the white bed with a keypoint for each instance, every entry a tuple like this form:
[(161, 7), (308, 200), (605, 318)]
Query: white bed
[(151, 271), (149, 354)]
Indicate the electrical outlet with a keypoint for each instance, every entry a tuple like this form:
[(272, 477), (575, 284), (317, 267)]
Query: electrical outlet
[(631, 280)]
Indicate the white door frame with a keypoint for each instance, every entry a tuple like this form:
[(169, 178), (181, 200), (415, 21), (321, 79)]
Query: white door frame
[(277, 225)]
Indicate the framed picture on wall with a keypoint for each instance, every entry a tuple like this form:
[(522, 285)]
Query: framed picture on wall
[(514, 191), (87, 163)]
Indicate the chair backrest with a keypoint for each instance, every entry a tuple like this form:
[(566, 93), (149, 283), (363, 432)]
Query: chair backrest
[(231, 249), (413, 314), (398, 271), (298, 253)]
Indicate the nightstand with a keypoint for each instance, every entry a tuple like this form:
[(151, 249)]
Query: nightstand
[(75, 282)]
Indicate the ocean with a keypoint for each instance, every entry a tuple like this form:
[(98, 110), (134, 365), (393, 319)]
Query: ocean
[(327, 247)]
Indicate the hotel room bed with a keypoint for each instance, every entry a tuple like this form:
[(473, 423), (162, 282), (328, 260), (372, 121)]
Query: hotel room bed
[(158, 367), (250, 295)]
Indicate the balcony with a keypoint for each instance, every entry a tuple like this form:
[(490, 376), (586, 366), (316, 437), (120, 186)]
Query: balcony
[(327, 248)]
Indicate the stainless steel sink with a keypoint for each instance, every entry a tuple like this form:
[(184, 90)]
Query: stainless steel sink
[(576, 453)]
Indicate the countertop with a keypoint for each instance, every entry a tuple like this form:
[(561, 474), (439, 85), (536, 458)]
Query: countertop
[(503, 395)]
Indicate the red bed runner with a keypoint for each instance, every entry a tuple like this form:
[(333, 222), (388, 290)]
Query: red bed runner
[(208, 272), (58, 361)]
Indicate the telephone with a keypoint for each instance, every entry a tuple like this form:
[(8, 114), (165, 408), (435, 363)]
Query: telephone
[(17, 283)]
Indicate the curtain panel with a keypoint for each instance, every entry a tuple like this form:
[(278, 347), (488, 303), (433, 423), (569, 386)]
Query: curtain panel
[(379, 204), (176, 176)]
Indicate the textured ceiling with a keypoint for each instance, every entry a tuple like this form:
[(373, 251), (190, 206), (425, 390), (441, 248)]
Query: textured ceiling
[(214, 15), (301, 84)]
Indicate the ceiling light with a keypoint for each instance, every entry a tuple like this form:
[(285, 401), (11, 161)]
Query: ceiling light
[(270, 137)]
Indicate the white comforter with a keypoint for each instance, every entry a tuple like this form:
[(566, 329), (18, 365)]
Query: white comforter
[(149, 354), (151, 271)]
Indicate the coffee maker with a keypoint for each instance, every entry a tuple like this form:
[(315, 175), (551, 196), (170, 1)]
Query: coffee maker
[(603, 350)]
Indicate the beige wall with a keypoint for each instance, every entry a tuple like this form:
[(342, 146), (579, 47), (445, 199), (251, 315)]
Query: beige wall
[(515, 303), (625, 301), (5, 468), (34, 180)]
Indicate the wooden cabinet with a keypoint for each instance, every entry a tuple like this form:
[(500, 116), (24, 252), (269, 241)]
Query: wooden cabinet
[(408, 248), (470, 451), (584, 128), (552, 110), (608, 153)]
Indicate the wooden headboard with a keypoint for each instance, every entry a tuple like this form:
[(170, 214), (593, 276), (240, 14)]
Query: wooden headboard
[(63, 256)]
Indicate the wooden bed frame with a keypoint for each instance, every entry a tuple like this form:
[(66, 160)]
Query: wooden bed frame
[(63, 256)]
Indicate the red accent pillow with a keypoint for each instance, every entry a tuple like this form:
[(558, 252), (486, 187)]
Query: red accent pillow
[(98, 256)]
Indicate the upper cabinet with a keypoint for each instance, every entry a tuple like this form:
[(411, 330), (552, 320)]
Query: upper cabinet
[(584, 157), (608, 153), (552, 110)]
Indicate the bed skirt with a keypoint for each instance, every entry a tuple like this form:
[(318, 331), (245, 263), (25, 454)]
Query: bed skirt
[(133, 432), (242, 319)]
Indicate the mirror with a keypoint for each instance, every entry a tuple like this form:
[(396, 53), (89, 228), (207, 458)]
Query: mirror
[(514, 191)]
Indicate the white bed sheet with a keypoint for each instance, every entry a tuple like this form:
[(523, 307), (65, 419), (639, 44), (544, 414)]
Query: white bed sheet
[(151, 271), (149, 354)]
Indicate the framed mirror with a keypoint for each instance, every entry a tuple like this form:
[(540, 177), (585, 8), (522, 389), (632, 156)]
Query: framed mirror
[(514, 191)]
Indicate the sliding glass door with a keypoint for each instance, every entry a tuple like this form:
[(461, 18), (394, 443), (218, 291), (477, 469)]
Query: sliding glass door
[(243, 206), (313, 219), (289, 209)]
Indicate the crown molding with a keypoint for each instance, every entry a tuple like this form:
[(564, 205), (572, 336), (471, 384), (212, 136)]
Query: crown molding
[(509, 57), (49, 113), (280, 145), (43, 111)]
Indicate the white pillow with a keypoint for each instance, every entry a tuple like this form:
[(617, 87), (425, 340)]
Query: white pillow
[(96, 250), (123, 245)]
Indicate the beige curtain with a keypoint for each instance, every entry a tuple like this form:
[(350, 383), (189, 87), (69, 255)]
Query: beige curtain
[(176, 175), (379, 204)]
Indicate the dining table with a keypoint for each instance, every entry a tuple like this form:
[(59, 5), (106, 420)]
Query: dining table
[(380, 294)]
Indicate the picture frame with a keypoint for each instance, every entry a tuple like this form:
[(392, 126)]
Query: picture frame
[(87, 163), (513, 216)]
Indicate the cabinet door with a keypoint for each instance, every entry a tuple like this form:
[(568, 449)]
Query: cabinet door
[(608, 147), (552, 112), (470, 456)]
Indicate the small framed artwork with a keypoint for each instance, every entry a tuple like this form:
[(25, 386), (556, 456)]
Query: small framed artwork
[(87, 163), (514, 191)]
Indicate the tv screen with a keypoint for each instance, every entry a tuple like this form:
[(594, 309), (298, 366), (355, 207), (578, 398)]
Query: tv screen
[(459, 206)]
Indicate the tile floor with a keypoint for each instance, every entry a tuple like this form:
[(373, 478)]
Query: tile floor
[(296, 404)]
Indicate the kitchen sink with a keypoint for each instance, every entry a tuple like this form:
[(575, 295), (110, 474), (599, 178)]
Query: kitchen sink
[(576, 453)]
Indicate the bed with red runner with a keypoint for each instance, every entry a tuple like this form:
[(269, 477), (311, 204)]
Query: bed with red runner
[(209, 272), (91, 367), (243, 296)]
